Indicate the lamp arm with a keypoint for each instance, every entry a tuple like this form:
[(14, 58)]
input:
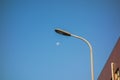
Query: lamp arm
[(91, 53)]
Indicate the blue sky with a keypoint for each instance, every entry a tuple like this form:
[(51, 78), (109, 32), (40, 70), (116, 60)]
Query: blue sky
[(28, 41)]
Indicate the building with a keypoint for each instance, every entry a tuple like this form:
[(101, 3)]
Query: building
[(111, 70)]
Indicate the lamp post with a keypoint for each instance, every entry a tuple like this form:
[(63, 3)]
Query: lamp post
[(65, 33)]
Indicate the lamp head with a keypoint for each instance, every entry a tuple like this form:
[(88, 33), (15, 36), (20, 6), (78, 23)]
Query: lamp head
[(62, 32)]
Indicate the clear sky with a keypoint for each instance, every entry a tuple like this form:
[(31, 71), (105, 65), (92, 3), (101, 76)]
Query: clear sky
[(31, 50)]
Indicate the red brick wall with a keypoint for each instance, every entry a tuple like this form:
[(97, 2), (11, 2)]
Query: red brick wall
[(115, 58)]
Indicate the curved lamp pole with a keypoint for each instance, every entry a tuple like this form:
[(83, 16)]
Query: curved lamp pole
[(65, 33)]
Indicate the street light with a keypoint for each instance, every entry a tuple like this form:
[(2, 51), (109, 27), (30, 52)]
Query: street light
[(65, 33)]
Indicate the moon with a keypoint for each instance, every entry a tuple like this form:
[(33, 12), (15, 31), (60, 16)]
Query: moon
[(57, 43)]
